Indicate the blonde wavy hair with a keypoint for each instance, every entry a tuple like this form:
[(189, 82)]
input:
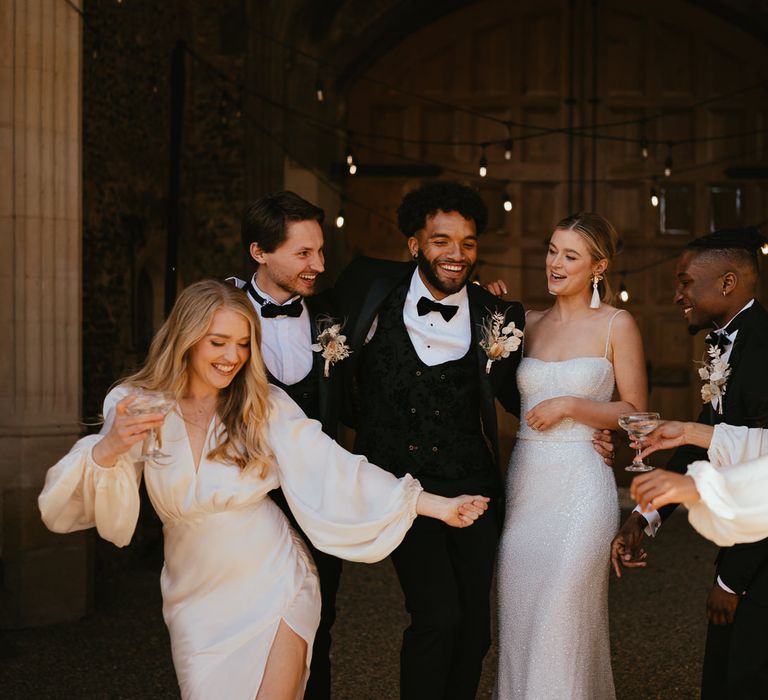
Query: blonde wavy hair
[(243, 406), (601, 239)]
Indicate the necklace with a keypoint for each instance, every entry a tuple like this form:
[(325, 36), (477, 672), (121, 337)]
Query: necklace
[(201, 417)]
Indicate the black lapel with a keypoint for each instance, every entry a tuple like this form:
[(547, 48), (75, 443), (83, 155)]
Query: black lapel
[(754, 317), (477, 315), (378, 292), (316, 311)]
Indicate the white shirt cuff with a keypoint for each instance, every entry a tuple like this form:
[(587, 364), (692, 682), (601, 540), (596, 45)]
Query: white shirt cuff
[(653, 518), (724, 587)]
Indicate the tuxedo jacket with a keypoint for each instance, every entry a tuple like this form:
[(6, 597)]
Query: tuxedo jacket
[(319, 306), (743, 567), (359, 293)]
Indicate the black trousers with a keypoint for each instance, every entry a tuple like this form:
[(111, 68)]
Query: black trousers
[(446, 576), (736, 656), (329, 573)]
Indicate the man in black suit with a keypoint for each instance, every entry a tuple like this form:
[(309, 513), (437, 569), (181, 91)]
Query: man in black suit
[(420, 390), (717, 278), (282, 233)]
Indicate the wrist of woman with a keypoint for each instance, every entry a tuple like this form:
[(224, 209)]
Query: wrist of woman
[(103, 454), (432, 506), (567, 406)]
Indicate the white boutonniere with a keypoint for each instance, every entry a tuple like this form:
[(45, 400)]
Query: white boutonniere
[(330, 343), (499, 340), (714, 374)]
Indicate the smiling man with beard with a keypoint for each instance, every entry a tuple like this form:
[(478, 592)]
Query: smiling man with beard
[(717, 279), (420, 389)]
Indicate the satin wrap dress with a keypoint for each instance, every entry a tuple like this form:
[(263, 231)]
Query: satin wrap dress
[(234, 568)]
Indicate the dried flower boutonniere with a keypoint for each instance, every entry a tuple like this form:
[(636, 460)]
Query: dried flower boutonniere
[(499, 340), (714, 374), (330, 343)]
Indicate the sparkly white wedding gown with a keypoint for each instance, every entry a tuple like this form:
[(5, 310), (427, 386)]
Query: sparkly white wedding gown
[(562, 512)]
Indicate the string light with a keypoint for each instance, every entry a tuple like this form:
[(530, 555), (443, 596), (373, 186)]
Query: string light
[(623, 293), (319, 90), (508, 205), (643, 139), (668, 162), (654, 194), (509, 145), (340, 219), (483, 169), (351, 165)]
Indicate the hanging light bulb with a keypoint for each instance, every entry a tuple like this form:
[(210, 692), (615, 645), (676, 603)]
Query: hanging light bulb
[(319, 90), (350, 158), (668, 162), (352, 169), (483, 165), (764, 249), (623, 293), (509, 143), (654, 197), (508, 205), (340, 219), (643, 139)]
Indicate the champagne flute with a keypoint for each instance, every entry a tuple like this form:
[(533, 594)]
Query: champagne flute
[(146, 402), (638, 425)]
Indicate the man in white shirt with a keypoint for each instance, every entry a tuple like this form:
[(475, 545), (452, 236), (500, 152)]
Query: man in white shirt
[(282, 233), (420, 391), (717, 279)]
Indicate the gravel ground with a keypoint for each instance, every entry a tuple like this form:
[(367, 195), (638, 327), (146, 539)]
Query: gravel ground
[(122, 650)]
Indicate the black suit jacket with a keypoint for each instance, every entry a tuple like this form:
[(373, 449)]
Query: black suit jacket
[(359, 293), (743, 567), (319, 306)]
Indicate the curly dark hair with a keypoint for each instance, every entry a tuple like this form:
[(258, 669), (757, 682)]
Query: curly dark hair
[(444, 196)]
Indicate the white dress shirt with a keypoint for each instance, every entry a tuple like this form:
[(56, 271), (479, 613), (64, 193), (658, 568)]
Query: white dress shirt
[(435, 340), (285, 341), (652, 516)]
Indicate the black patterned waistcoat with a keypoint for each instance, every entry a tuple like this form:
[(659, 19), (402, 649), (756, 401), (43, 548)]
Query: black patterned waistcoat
[(415, 418)]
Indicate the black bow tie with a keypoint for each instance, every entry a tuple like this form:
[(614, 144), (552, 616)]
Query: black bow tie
[(270, 310), (719, 338), (447, 311)]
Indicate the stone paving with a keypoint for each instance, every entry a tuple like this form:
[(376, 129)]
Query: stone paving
[(122, 651)]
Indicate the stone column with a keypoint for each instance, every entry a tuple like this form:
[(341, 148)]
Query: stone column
[(45, 577)]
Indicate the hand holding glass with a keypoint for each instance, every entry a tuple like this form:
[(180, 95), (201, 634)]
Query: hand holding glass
[(146, 402), (638, 425)]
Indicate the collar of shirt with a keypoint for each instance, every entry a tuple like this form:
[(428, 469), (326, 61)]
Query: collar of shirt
[(435, 339), (285, 341), (732, 335), (268, 298)]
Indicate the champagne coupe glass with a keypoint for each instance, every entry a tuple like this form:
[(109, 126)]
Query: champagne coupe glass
[(638, 425), (151, 402)]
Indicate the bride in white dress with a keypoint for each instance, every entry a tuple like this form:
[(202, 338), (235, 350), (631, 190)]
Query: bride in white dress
[(240, 596), (562, 508)]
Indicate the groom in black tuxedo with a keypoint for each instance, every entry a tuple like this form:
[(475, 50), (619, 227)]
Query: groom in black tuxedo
[(282, 233), (717, 278), (420, 391)]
